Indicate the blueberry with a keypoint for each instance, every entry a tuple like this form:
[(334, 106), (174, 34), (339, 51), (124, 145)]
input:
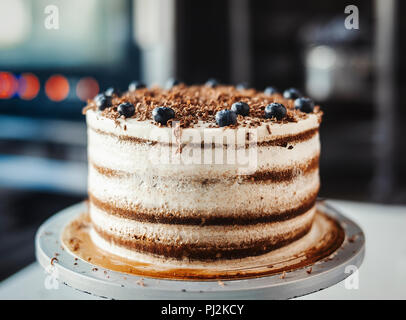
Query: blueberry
[(292, 93), (270, 90), (226, 118), (135, 85), (163, 114), (275, 110), (126, 109), (102, 101), (112, 91), (242, 86), (171, 83), (241, 108), (212, 83), (304, 105)]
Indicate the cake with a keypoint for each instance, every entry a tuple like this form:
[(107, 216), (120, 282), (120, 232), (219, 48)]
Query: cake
[(165, 181)]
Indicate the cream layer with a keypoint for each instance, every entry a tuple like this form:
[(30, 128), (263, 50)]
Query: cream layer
[(149, 131), (220, 236), (296, 246), (111, 152), (225, 197)]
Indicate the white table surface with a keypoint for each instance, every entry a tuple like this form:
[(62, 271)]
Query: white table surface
[(381, 276)]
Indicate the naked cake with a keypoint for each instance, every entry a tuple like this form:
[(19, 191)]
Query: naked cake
[(166, 184)]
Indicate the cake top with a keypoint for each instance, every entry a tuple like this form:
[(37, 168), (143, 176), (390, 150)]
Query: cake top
[(214, 105)]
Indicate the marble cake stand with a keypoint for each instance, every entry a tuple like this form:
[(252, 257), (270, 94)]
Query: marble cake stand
[(86, 277)]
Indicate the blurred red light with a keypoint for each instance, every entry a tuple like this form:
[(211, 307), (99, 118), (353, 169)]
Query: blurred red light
[(87, 88), (57, 88), (8, 85), (28, 86)]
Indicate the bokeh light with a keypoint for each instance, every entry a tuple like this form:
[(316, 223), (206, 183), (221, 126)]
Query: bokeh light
[(29, 86), (8, 85), (87, 88), (57, 88), (15, 22)]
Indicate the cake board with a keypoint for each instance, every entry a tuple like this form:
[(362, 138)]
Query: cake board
[(67, 268)]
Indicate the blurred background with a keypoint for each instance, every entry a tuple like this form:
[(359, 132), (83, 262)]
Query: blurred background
[(56, 54)]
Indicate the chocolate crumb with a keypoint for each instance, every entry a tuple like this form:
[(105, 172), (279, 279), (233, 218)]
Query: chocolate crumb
[(268, 129), (75, 243), (309, 271), (53, 260)]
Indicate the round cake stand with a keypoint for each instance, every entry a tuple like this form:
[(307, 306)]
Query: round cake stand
[(91, 279)]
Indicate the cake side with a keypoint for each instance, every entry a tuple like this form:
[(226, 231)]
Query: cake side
[(198, 210)]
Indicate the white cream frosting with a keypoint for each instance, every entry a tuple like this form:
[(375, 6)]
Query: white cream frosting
[(296, 249), (110, 152), (149, 131), (148, 182), (232, 197), (204, 235)]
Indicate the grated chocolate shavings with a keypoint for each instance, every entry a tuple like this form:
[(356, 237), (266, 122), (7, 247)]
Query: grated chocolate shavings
[(201, 103)]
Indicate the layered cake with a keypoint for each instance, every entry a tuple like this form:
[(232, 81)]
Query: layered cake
[(208, 173)]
